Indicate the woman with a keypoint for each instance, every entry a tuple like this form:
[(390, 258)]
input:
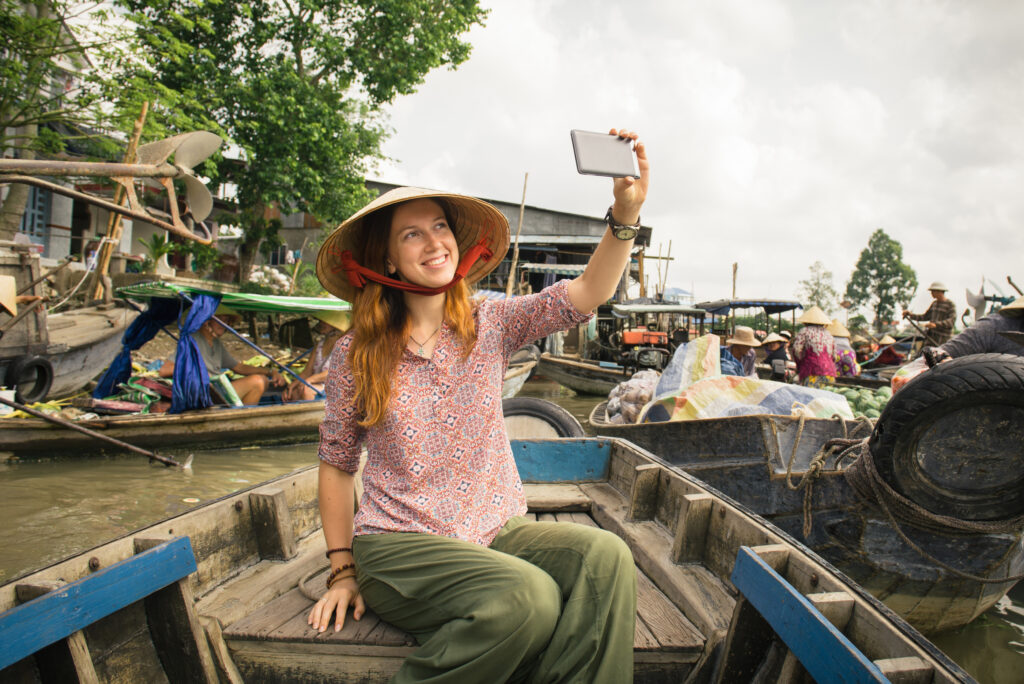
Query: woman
[(439, 546), (331, 325), (845, 357), (813, 349)]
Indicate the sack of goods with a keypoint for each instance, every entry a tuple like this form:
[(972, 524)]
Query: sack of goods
[(627, 399)]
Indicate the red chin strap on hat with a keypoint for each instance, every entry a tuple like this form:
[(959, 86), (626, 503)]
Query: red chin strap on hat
[(358, 275)]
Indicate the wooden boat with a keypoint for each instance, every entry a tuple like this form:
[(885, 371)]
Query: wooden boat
[(581, 375), (53, 355), (219, 593), (748, 457), (221, 426)]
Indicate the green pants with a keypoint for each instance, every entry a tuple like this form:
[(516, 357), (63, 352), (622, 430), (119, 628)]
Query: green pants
[(546, 602)]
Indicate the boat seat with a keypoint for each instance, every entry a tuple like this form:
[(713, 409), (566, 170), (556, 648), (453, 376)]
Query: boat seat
[(275, 638)]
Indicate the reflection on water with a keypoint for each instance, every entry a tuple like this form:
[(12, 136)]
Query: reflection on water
[(54, 509)]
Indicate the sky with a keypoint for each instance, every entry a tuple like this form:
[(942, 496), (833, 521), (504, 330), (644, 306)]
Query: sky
[(780, 133)]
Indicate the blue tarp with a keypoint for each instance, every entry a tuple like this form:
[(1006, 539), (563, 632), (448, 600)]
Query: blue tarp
[(191, 381), (159, 313)]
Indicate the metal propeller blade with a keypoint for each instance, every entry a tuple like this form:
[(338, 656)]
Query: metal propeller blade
[(977, 301), (188, 149), (199, 199)]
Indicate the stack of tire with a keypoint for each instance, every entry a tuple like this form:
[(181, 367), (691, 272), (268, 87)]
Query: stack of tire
[(952, 440)]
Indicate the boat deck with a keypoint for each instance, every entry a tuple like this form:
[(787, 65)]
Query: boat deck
[(275, 641)]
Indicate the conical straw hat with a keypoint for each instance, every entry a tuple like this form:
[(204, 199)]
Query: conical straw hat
[(814, 316), (472, 220), (837, 329), (9, 294), (745, 336), (339, 320), (1014, 308), (774, 337), (887, 339)]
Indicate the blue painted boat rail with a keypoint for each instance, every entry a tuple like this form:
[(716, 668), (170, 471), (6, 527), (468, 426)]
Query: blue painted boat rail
[(825, 652), (562, 460), (60, 613)]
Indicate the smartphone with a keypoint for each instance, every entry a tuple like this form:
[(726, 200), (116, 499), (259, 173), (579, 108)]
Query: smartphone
[(601, 154)]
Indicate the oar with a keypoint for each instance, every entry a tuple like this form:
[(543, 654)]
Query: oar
[(92, 433)]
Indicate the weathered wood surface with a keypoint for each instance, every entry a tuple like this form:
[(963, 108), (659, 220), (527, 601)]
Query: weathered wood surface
[(665, 642), (223, 426)]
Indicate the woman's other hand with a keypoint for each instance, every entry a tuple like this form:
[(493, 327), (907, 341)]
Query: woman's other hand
[(630, 193), (337, 599)]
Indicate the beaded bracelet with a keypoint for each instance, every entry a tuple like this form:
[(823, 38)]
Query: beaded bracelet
[(338, 550), (337, 571)]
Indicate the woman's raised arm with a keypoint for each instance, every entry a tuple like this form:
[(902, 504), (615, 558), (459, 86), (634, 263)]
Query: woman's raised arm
[(596, 285)]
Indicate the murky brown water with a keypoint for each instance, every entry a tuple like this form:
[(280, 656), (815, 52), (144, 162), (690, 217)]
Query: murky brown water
[(54, 509)]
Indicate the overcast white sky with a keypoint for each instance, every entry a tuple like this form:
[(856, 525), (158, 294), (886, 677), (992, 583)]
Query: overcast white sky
[(780, 133)]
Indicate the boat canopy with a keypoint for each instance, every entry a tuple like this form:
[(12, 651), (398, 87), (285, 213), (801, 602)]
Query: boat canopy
[(239, 301), (626, 309), (721, 307), (557, 269)]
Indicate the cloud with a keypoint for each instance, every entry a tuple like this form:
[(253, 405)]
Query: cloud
[(780, 133)]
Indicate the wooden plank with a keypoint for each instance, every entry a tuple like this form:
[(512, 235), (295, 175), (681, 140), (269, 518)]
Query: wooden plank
[(555, 497), (643, 638), (225, 665), (29, 627), (270, 616), (272, 524), (67, 660), (692, 528), (906, 670), (822, 649), (668, 624), (747, 644), (562, 460), (644, 495), (179, 639), (546, 517), (836, 606)]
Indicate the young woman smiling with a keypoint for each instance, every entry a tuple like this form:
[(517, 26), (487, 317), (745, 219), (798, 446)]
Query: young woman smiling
[(439, 546)]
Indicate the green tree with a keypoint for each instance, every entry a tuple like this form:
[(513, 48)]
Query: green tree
[(299, 86), (818, 289), (881, 281), (52, 75)]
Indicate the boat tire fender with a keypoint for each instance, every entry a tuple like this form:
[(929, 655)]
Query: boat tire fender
[(31, 377), (525, 354), (950, 439), (534, 418)]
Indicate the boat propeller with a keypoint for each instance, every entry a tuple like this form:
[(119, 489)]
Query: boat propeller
[(189, 149)]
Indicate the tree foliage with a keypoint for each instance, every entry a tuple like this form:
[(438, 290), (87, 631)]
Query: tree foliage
[(818, 289), (881, 281), (298, 86)]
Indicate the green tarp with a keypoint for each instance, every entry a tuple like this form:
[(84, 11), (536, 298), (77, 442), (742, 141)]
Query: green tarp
[(238, 301)]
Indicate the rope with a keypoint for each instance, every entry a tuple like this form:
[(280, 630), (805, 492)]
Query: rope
[(90, 265), (864, 478)]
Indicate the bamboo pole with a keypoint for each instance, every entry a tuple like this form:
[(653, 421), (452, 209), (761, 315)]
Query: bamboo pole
[(114, 225), (511, 280)]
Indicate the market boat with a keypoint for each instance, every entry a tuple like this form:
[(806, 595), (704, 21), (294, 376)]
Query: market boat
[(266, 424), (44, 355), (759, 460), (221, 593), (582, 375)]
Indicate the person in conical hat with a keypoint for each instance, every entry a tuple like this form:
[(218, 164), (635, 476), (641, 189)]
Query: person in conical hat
[(417, 381), (331, 325), (940, 314), (741, 346), (813, 348), (845, 357)]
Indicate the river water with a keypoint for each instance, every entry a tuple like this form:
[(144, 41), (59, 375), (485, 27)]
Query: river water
[(56, 508)]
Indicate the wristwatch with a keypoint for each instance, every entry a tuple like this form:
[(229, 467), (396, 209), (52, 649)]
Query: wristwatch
[(619, 230)]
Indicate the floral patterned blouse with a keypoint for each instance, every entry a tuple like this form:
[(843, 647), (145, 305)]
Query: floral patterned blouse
[(440, 462), (845, 358), (813, 348)]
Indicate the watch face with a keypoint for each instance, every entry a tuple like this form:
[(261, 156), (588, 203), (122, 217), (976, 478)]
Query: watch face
[(625, 233)]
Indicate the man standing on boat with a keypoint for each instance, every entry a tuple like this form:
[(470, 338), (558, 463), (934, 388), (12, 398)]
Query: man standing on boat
[(941, 315)]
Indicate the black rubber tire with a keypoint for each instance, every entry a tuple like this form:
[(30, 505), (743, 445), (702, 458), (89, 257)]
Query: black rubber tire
[(951, 439), (551, 415), (30, 377)]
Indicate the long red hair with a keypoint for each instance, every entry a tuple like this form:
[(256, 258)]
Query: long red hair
[(380, 322)]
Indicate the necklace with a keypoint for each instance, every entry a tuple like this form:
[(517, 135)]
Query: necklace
[(420, 351)]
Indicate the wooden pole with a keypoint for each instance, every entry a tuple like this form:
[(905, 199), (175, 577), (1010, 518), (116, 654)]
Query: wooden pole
[(511, 280), (114, 225), (668, 260), (92, 433)]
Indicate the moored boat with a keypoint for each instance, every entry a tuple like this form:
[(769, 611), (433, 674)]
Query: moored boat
[(581, 375), (220, 592), (956, 574)]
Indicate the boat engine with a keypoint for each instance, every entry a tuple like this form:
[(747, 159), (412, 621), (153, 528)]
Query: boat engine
[(643, 349)]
